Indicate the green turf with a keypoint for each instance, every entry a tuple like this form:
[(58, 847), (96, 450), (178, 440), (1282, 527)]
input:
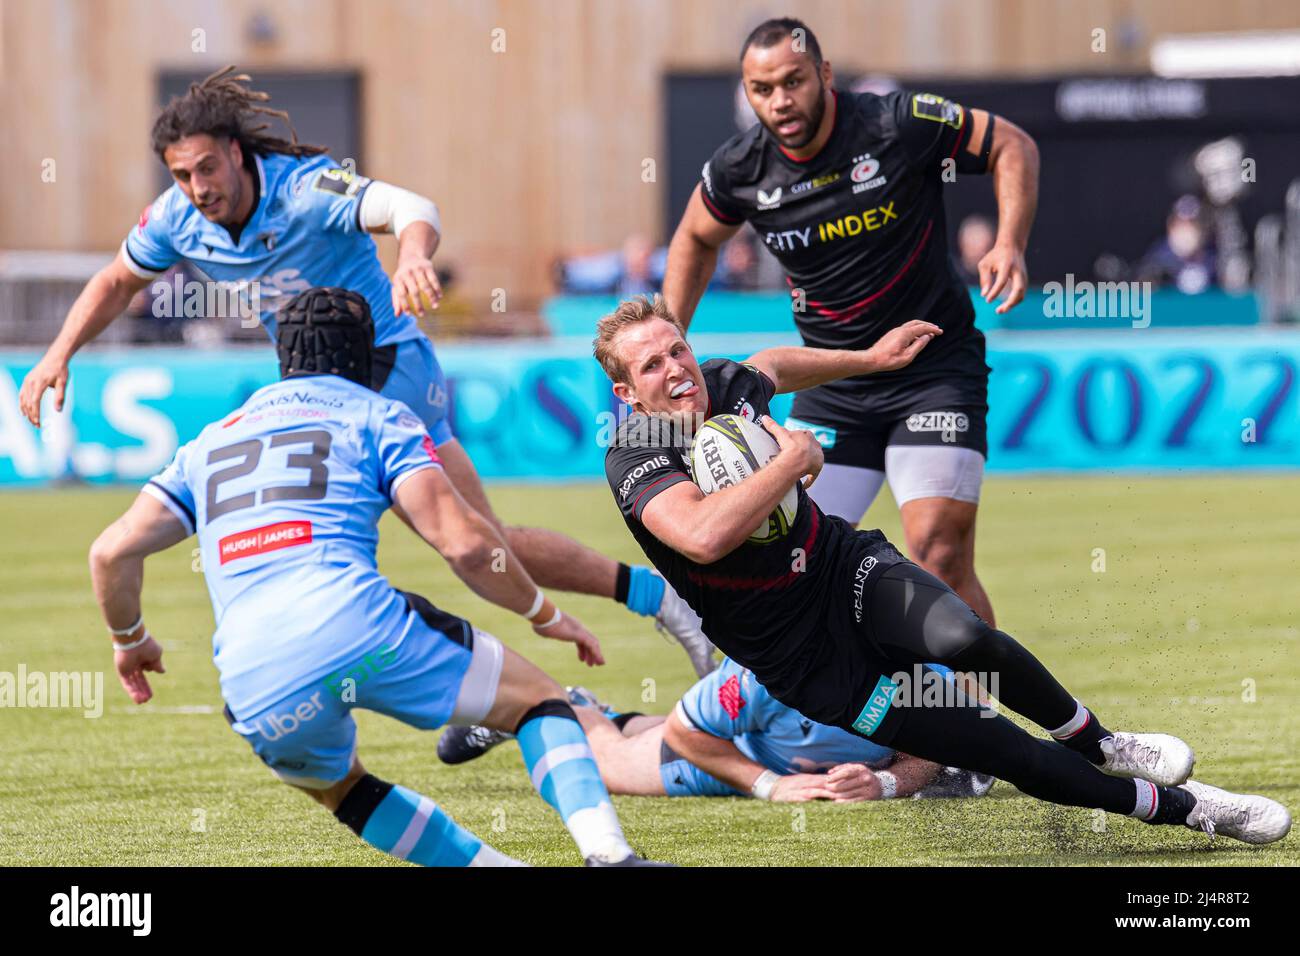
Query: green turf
[(1192, 628)]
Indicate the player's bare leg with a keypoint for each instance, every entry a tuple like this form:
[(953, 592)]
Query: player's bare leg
[(940, 535), (628, 762), (558, 755), (556, 561)]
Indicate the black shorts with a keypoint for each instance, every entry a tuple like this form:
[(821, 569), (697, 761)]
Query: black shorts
[(862, 444), (841, 684), (855, 420)]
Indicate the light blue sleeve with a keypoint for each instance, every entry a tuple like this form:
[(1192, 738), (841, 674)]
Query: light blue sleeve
[(329, 195), (172, 487), (405, 447), (726, 703), (148, 246)]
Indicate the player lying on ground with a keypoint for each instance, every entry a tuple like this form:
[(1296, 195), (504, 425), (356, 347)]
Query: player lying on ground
[(274, 217), (826, 614), (286, 496), (728, 736)]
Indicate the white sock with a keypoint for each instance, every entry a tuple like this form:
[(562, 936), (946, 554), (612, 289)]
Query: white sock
[(1074, 724), (597, 832), (486, 856), (1148, 800)]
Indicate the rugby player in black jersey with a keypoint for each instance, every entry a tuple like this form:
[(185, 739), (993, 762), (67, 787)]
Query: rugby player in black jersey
[(830, 619), (846, 190)]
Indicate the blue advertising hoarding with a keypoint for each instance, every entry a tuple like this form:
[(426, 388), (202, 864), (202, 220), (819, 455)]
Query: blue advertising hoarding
[(1117, 399)]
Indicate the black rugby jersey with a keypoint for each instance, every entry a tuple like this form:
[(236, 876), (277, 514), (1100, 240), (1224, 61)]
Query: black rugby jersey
[(760, 604), (860, 229)]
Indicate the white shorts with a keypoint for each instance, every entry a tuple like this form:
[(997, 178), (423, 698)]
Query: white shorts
[(913, 471)]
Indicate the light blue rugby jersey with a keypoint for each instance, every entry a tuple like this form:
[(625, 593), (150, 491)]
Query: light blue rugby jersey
[(304, 232), (731, 704), (286, 495)]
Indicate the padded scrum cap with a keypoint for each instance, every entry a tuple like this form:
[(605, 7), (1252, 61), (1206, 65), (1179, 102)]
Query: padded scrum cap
[(326, 331)]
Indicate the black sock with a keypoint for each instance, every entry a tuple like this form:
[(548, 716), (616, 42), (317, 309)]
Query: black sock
[(621, 720), (1088, 740), (366, 794), (1174, 805), (623, 583)]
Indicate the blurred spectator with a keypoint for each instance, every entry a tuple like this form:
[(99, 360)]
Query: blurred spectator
[(738, 264), (638, 273), (1183, 258), (975, 238), (637, 267)]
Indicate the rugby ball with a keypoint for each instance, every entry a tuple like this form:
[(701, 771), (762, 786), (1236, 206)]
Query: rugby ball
[(728, 449)]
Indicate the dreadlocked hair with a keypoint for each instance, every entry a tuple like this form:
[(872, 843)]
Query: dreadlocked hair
[(223, 106)]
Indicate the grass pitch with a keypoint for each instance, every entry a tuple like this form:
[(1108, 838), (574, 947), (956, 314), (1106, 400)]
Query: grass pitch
[(1167, 604)]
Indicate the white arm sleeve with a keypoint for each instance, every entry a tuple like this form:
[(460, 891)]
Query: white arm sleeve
[(391, 209)]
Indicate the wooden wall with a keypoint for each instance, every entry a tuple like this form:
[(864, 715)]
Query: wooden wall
[(528, 151)]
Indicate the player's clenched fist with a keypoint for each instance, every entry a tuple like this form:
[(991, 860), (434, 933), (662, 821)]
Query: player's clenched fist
[(48, 373), (801, 443), (415, 286)]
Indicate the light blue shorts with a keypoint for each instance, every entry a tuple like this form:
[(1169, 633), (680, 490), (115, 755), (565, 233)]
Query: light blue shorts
[(417, 379), (683, 779), (438, 669)]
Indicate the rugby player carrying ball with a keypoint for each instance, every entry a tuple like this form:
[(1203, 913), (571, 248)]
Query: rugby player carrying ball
[(825, 614)]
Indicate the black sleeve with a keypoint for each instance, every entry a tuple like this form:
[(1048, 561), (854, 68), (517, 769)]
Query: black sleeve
[(636, 474), (715, 190), (725, 377), (933, 129)]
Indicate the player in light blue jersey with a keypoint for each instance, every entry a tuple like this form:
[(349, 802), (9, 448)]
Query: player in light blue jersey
[(262, 218), (285, 495), (727, 736)]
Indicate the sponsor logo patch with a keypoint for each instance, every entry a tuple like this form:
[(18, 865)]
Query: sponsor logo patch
[(729, 697), (877, 706), (947, 424), (271, 537), (928, 106), (769, 200), (859, 581), (639, 472)]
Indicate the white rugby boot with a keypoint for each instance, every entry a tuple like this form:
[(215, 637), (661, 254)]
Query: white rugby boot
[(1242, 816), (1158, 758), (677, 619)]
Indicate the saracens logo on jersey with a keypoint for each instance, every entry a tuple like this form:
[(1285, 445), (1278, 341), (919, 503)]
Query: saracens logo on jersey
[(864, 173)]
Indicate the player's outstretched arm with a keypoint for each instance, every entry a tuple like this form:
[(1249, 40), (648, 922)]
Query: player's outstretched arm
[(721, 758), (104, 298), (480, 556), (692, 257), (707, 528), (793, 368), (117, 575), (1013, 164)]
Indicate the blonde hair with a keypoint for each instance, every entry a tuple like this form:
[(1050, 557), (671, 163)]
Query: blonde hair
[(629, 312)]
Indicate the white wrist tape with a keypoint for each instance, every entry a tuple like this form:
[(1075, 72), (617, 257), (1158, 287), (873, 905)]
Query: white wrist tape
[(134, 644), (123, 632), (536, 605), (391, 208), (888, 784), (764, 785), (552, 622)]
